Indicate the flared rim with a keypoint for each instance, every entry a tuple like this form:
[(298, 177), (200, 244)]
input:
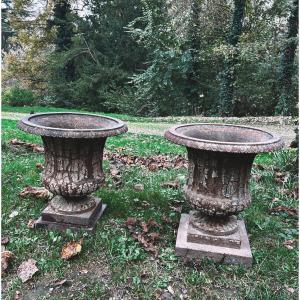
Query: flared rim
[(111, 126), (178, 134)]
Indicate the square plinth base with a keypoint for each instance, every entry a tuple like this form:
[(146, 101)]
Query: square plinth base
[(52, 220), (223, 254)]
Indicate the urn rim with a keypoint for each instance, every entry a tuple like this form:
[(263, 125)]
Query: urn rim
[(183, 135), (113, 126)]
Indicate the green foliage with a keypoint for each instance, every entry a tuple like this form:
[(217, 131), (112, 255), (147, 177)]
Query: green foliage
[(228, 76), (145, 57), (18, 96), (288, 99)]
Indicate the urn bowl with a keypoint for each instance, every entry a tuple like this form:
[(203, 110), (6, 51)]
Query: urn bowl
[(74, 144), (220, 160)]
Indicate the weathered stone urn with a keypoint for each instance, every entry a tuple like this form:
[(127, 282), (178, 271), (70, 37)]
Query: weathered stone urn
[(74, 144), (220, 160)]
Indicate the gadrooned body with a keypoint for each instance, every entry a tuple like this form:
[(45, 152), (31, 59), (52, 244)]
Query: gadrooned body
[(220, 160)]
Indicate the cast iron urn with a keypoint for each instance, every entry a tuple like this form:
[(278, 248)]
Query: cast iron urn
[(74, 144), (220, 160)]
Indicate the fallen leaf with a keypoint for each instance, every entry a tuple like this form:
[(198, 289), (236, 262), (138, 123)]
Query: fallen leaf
[(18, 295), (170, 289), (30, 146), (39, 166), (139, 187), (31, 224), (289, 289), (71, 249), (37, 192), (27, 269), (149, 247), (289, 244), (289, 210), (153, 235), (166, 219), (170, 185), (113, 170), (144, 227), (259, 167), (145, 204), (153, 167), (4, 240), (256, 177), (13, 214), (152, 222), (59, 283), (176, 208), (5, 258), (130, 222)]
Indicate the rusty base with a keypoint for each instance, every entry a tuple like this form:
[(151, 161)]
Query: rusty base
[(232, 249), (86, 221)]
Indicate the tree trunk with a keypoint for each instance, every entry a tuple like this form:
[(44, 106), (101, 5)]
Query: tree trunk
[(288, 99), (228, 75)]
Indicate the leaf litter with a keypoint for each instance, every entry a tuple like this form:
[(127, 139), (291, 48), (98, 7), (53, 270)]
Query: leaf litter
[(71, 249), (27, 269), (37, 192), (28, 146), (140, 231)]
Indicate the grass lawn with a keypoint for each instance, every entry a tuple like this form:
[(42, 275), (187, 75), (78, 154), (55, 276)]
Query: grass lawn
[(113, 264)]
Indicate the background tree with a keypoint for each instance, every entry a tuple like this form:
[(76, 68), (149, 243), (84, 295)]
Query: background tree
[(31, 44), (287, 100), (228, 75), (7, 31)]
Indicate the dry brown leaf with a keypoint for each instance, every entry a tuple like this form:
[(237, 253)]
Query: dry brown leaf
[(18, 295), (4, 240), (166, 219), (139, 187), (176, 208), (144, 227), (153, 167), (37, 192), (259, 167), (5, 258), (27, 269), (153, 235), (282, 208), (289, 244), (130, 222), (148, 246), (31, 223), (13, 214), (152, 222), (170, 289), (71, 249), (30, 146), (39, 166), (256, 177), (289, 289), (59, 283), (170, 184), (113, 170)]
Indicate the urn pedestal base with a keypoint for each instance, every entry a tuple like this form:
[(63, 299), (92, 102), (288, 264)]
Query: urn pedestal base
[(60, 218), (233, 248)]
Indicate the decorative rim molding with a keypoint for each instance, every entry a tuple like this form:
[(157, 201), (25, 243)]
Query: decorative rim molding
[(272, 144), (27, 125)]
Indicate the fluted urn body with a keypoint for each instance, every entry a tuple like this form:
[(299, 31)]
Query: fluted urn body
[(74, 144), (220, 160)]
